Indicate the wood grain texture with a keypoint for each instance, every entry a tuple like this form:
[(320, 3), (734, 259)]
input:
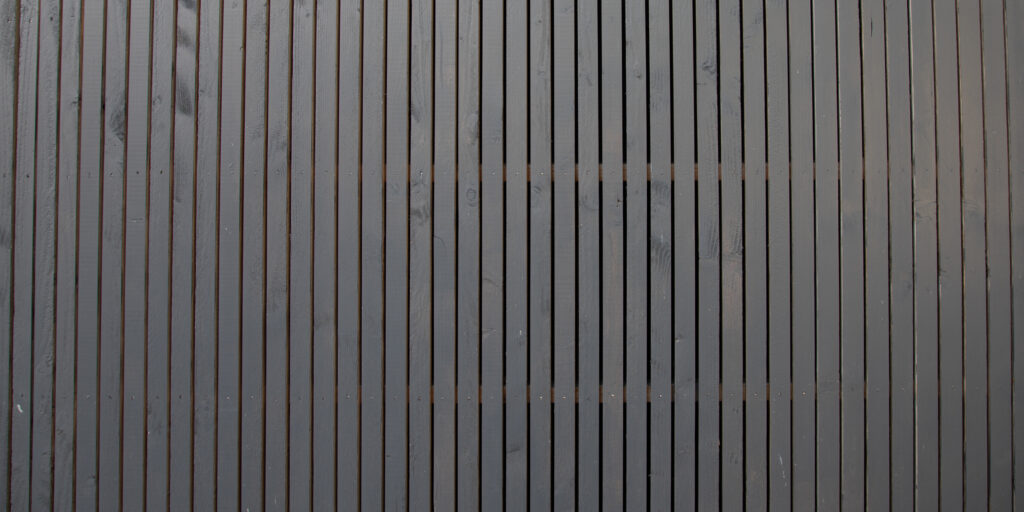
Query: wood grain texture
[(465, 254)]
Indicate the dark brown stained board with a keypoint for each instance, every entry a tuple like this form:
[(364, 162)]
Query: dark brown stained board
[(440, 254)]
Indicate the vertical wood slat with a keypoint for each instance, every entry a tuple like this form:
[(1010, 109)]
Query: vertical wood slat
[(230, 299), (278, 248), (901, 272), (517, 83), (158, 219), (975, 274), (876, 256), (950, 269), (325, 257), (182, 272), (492, 271), (21, 234), (564, 253), (253, 259), (636, 262), (9, 60), (755, 261), (371, 281), (659, 241), (44, 249), (828, 449), (347, 458), (926, 321), (612, 251), (1015, 126), (112, 222), (396, 247), (300, 202), (997, 236), (539, 256), (207, 271), (802, 254), (452, 253), (67, 262), (779, 315), (134, 345), (444, 467), (467, 294), (588, 253), (420, 254), (851, 258)]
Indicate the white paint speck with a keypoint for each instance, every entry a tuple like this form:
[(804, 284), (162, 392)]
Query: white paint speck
[(20, 411)]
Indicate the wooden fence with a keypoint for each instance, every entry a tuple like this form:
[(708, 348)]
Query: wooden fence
[(544, 254)]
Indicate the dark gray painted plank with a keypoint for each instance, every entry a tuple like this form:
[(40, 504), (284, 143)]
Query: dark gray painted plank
[(204, 357), (347, 458), (802, 260), (540, 255), (182, 229), (468, 258), (588, 253), (1015, 125), (926, 401), (755, 263), (158, 322), (492, 332), (23, 233), (276, 378), (972, 218), (325, 261), (444, 254), (516, 256), (828, 449), (396, 262), (133, 384), (997, 233), (779, 423), (612, 253), (8, 172), (731, 284), (660, 244), (111, 261), (420, 218), (44, 252), (876, 255), (564, 269), (302, 114), (684, 339), (951, 350), (851, 258), (67, 263), (372, 261), (229, 257), (901, 264), (253, 259), (709, 254), (20, 437), (636, 263)]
